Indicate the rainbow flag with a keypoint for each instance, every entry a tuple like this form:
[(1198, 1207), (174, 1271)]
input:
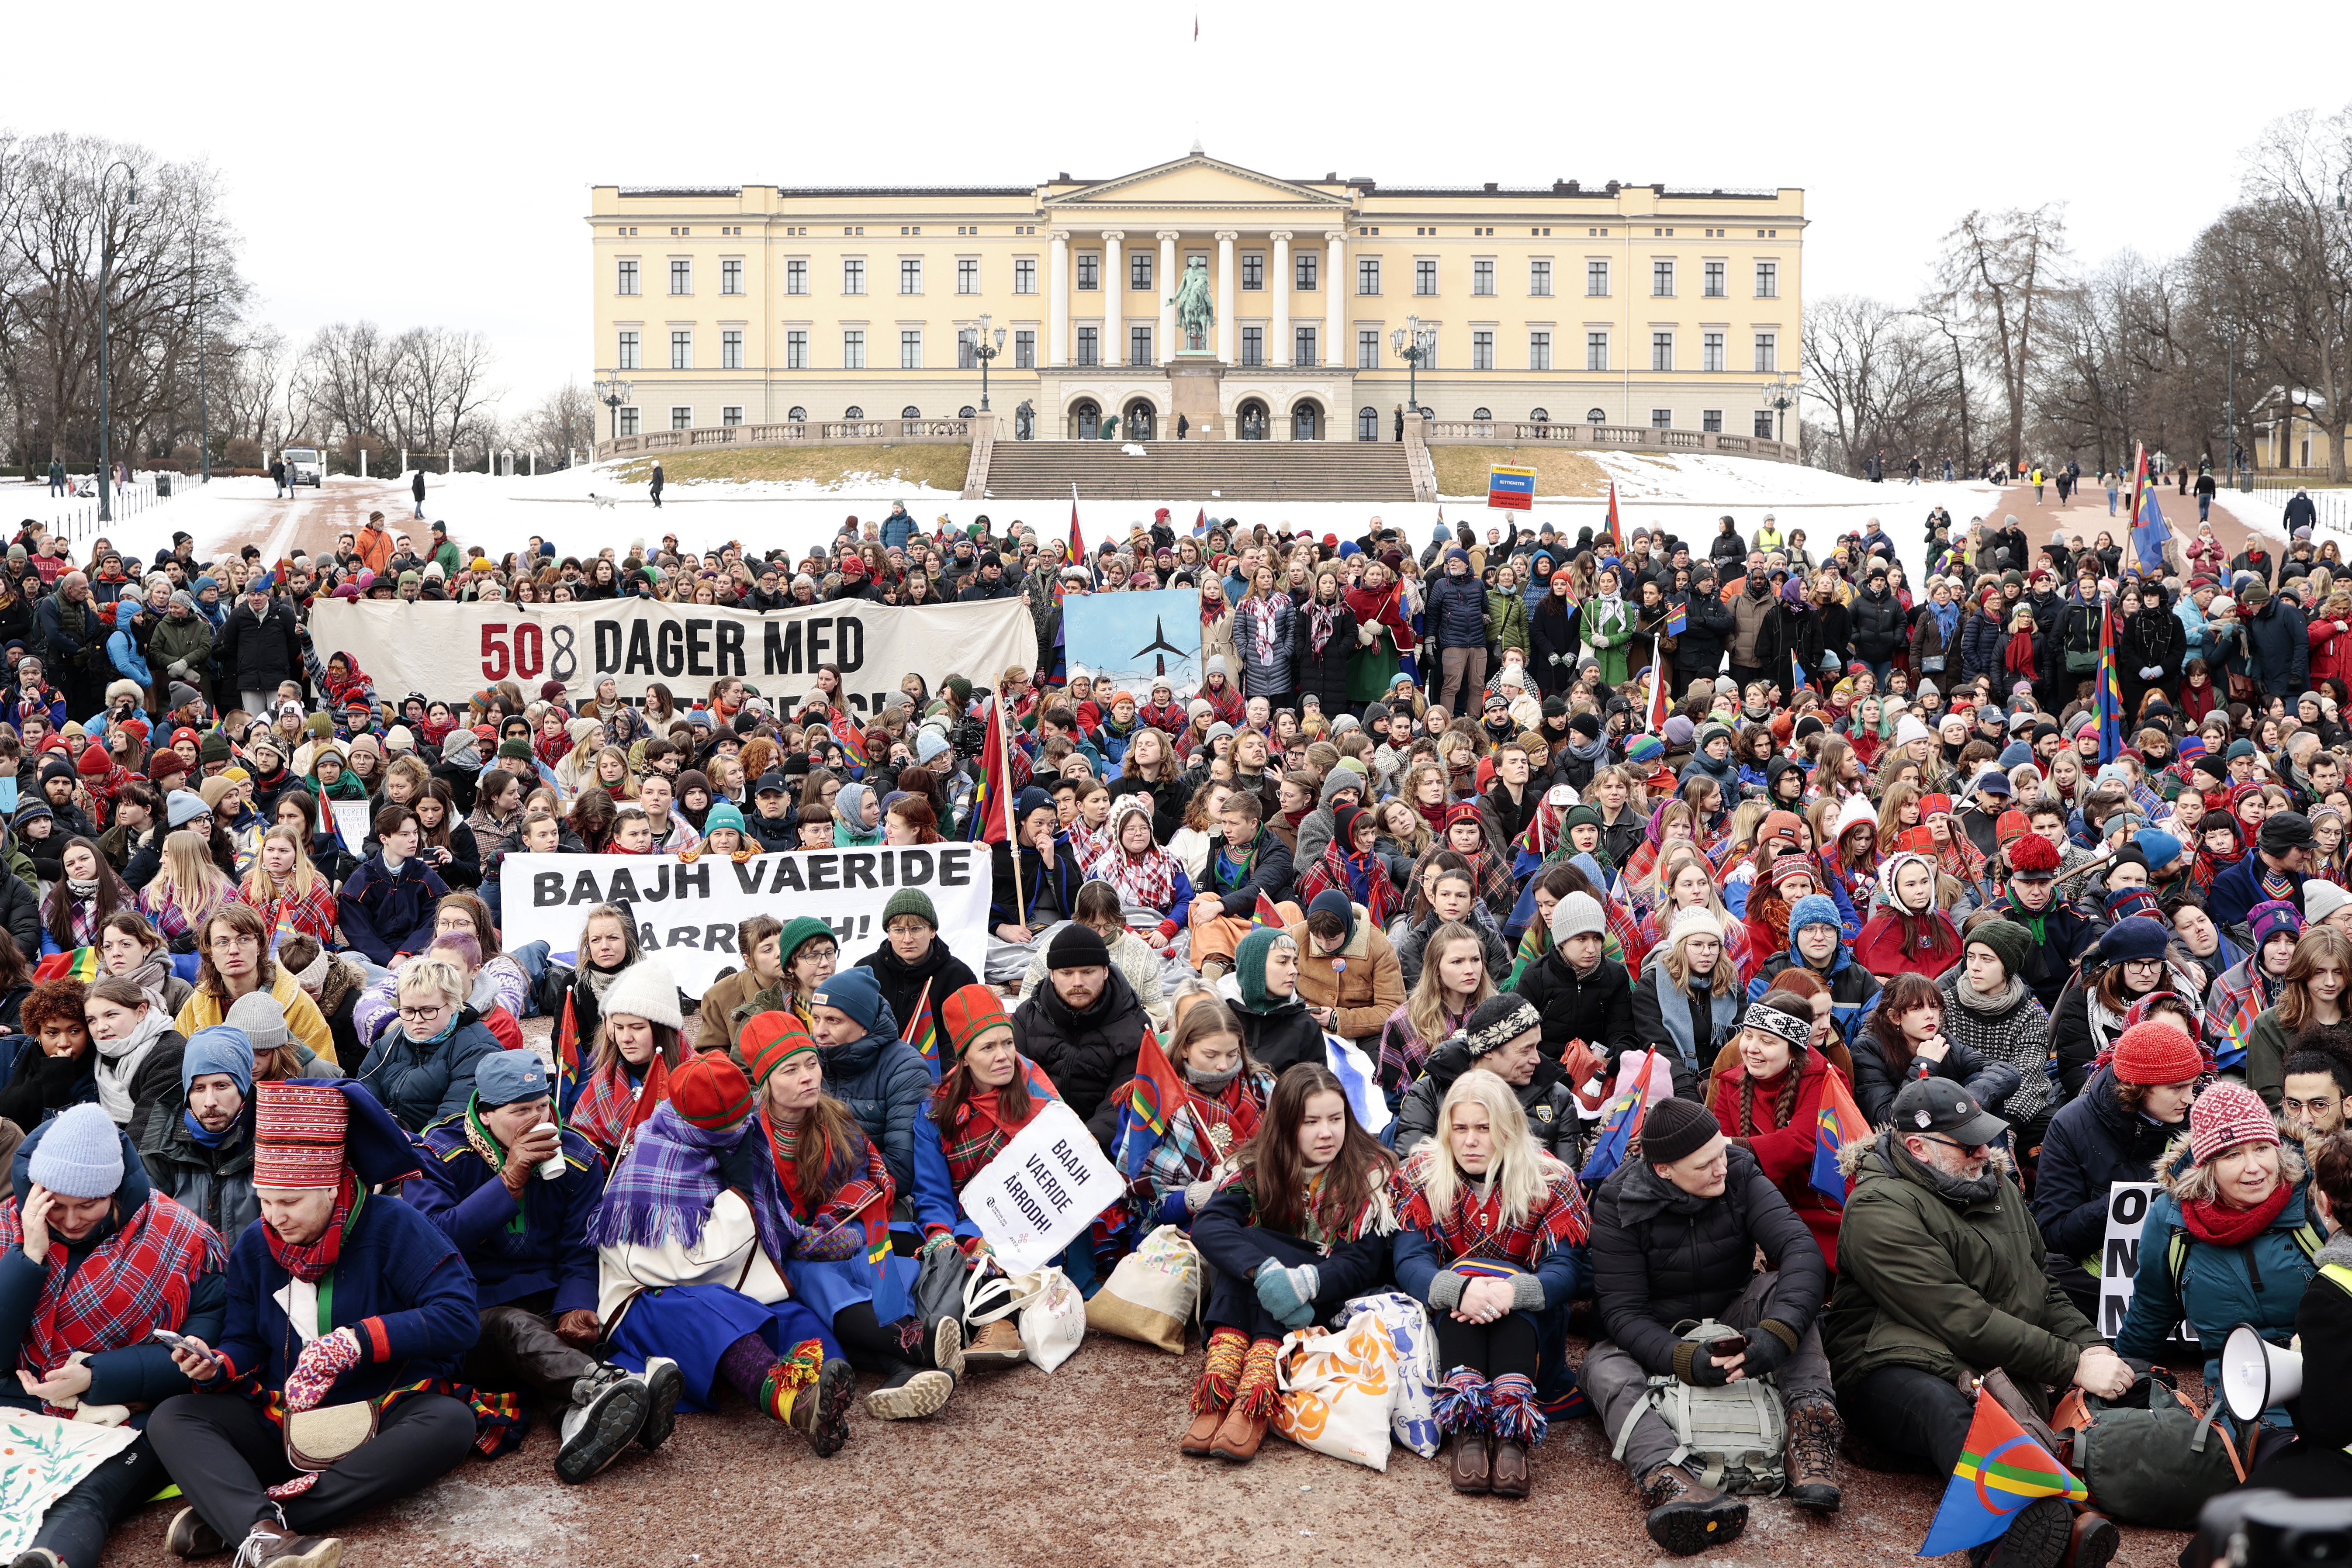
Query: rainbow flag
[(2108, 696), (992, 791), (1840, 1123), (569, 1079), (846, 730), (923, 1031), (2000, 1470), (82, 964)]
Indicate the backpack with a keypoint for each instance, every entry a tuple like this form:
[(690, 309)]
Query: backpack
[(2150, 1458), (1734, 1435)]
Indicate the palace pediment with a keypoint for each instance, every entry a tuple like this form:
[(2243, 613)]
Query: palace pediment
[(1198, 183)]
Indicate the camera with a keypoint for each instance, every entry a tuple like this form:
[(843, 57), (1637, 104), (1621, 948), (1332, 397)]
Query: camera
[(2266, 1527)]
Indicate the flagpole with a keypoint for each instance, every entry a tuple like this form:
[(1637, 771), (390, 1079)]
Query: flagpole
[(1012, 838)]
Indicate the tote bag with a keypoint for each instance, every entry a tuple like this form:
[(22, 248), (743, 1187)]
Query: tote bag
[(1336, 1390), (1413, 1418), (1050, 1312), (1151, 1296)]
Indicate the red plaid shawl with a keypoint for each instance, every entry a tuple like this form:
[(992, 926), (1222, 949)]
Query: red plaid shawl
[(1471, 1228), (136, 1280), (980, 1133), (611, 1108)]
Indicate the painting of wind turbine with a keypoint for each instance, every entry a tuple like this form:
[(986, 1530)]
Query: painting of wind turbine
[(1135, 639)]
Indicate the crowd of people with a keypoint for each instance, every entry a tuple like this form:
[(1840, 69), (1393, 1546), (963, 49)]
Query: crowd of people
[(267, 1088)]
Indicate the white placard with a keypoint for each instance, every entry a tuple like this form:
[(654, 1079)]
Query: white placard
[(353, 822), (2119, 1257), (1043, 1191), (688, 913)]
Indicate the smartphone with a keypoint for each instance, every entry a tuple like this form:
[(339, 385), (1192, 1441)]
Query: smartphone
[(183, 1343)]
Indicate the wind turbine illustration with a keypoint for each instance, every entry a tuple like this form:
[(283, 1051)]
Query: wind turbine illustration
[(1160, 641)]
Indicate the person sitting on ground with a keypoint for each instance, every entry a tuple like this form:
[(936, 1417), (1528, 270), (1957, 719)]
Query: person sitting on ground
[(1490, 1234), (1904, 1039), (235, 961), (1279, 1028), (525, 1242), (1100, 905), (885, 1084), (1516, 1057), (129, 947), (627, 1066), (202, 1157), (1348, 973), (2318, 1463), (1082, 1028), (1580, 995), (808, 957), (757, 940), (1677, 1230), (336, 1296), (385, 907), (136, 1052), (1300, 1224), (913, 965), (1689, 1002), (50, 1065), (1226, 1095), (93, 1259), (422, 1067), (1816, 946), (1939, 1276)]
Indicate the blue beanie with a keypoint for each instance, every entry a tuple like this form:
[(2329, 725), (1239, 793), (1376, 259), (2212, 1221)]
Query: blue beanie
[(722, 815), (1334, 901), (218, 1049), (2013, 754), (856, 993), (928, 743), (79, 1154), (1813, 909), (505, 1077), (2160, 847)]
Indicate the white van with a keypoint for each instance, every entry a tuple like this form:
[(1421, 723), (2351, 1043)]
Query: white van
[(305, 465)]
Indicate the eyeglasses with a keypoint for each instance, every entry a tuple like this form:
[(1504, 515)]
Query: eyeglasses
[(1955, 1143), (422, 1015), (231, 944)]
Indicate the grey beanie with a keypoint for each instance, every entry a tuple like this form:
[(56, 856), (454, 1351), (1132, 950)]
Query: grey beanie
[(80, 1154), (1578, 915), (258, 1014)]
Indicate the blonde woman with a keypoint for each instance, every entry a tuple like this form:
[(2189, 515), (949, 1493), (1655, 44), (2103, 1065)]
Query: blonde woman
[(1688, 883), (1490, 1234), (188, 890), (1452, 983), (1426, 790), (287, 890), (1688, 1002), (1403, 831)]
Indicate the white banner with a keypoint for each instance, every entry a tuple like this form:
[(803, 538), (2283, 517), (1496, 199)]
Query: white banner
[(688, 913), (451, 651), (2120, 1261), (1043, 1191)]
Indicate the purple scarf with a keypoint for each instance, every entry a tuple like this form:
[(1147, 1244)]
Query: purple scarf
[(666, 1184)]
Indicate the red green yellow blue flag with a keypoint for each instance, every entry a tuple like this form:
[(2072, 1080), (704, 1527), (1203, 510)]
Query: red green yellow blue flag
[(2001, 1469)]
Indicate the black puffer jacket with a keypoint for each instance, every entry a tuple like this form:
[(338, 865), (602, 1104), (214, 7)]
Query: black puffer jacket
[(902, 983), (2093, 1142), (1550, 1108), (20, 912), (1597, 1009), (1086, 1054), (1879, 624), (1661, 1257)]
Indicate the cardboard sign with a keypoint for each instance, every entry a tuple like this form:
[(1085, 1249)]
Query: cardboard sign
[(1043, 1191), (2119, 1257), (1510, 488)]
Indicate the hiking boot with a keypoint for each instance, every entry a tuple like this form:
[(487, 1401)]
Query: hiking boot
[(1238, 1437), (2095, 1540), (2037, 1537), (910, 1394), (1203, 1432), (267, 1547), (1216, 969), (1687, 1517), (1468, 1464), (820, 1412), (35, 1557), (1511, 1478), (608, 1411), (664, 1385), (190, 1536), (947, 1346), (996, 1345), (1813, 1431)]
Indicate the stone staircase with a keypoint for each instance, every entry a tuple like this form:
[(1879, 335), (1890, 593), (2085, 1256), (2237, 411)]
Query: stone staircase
[(1200, 470)]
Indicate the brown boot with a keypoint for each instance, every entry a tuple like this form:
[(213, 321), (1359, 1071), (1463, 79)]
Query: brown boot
[(1686, 1516), (1469, 1465), (1212, 1396), (996, 1345), (1203, 1432), (1253, 1400), (2094, 1542), (1511, 1478), (819, 1411), (1813, 1433)]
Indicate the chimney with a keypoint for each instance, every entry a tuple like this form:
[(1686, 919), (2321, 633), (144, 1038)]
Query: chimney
[(1492, 185)]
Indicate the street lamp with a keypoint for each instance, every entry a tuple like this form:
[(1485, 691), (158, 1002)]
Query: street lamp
[(2230, 395), (1412, 345), (105, 278), (613, 391), (1781, 396), (984, 350), (2300, 397)]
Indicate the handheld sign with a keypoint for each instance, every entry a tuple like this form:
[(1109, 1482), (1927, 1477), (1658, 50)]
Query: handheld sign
[(1043, 1191), (351, 822), (2120, 1261), (1510, 488)]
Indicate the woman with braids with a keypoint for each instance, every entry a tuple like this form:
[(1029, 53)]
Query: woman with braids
[(1301, 1223), (1768, 1101), (1490, 1234)]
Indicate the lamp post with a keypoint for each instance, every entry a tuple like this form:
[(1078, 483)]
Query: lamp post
[(613, 391), (984, 350), (105, 278), (2296, 397), (1781, 396), (1412, 345)]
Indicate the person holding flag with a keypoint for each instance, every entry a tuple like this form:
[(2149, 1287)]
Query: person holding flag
[(1675, 1234), (1176, 1123), (1941, 1277)]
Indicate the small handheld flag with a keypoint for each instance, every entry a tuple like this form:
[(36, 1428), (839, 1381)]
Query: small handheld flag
[(1265, 914), (1620, 1126), (923, 1031), (1201, 523), (1614, 536), (82, 964), (1839, 1124), (1654, 716), (567, 1059), (2000, 1470), (1078, 540)]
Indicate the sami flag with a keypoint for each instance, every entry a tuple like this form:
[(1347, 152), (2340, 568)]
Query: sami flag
[(2150, 532), (1840, 1123), (2000, 1470), (1201, 523), (1620, 1126), (2109, 697), (568, 1077), (993, 792), (846, 730), (82, 964), (1151, 1107), (1265, 914), (923, 1031)]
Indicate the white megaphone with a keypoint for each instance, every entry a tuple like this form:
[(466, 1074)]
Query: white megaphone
[(2256, 1373)]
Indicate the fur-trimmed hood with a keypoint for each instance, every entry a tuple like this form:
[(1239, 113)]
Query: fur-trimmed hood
[(1851, 1156)]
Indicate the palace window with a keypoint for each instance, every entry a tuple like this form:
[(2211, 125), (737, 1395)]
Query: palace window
[(853, 277), (1715, 289), (1025, 351), (1662, 279), (967, 276), (1138, 269), (730, 351), (1539, 350), (1252, 270), (1711, 351), (853, 352), (1305, 263), (910, 411), (796, 413), (796, 278), (1662, 351), (681, 350), (1711, 421), (732, 414), (910, 275), (1024, 275), (1482, 351), (1767, 279), (628, 421), (1303, 350), (730, 278), (627, 360), (681, 276), (1763, 425), (1368, 348), (1662, 419), (1090, 269), (967, 340), (1253, 345), (1139, 345), (1596, 350), (1482, 277), (796, 351), (1424, 275), (1482, 414), (628, 281), (1596, 416), (1367, 275), (1767, 352), (1596, 279), (681, 416), (910, 350), (1368, 423), (1088, 355)]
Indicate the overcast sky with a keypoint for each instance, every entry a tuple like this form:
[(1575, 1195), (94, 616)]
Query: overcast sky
[(429, 163)]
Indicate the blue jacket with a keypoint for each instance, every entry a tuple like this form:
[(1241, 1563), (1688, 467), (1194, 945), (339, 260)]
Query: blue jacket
[(461, 1193), (884, 1082), (422, 1085), (122, 650), (2278, 647), (896, 530), (1456, 611), (138, 1374), (2238, 888), (400, 1287), (19, 1051), (385, 912)]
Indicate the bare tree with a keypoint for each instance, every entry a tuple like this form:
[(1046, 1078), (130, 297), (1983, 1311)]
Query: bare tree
[(564, 421), (2000, 267)]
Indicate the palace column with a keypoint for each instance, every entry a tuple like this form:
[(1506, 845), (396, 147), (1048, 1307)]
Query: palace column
[(1335, 297), (1114, 348), (1280, 284), (1057, 302), (1225, 338), (1169, 277)]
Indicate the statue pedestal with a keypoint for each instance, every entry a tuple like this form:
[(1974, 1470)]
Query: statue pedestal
[(1194, 393)]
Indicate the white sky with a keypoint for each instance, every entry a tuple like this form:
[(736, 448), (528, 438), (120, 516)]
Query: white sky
[(429, 163)]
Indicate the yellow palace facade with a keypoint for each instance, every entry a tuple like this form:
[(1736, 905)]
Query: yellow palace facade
[(1619, 304)]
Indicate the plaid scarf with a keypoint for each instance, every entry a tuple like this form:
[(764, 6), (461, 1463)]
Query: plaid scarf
[(1148, 879), (137, 1280), (1202, 1135), (664, 1187), (980, 1132), (851, 1218), (311, 1261), (1363, 878), (1376, 1216), (1402, 1050), (611, 1109), (1471, 1227)]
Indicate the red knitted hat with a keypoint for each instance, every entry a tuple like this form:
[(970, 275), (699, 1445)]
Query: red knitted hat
[(767, 1039), (710, 1091), (969, 1012), (93, 762), (2010, 826), (2033, 854), (2226, 1115), (298, 1136), (2157, 1051)]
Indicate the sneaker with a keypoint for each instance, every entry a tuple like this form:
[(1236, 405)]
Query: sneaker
[(35, 1557), (266, 1548), (996, 1345), (664, 1385), (947, 1346), (190, 1536), (607, 1413), (820, 1411), (911, 1394)]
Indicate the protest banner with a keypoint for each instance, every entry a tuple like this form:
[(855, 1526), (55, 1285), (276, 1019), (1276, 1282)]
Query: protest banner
[(1131, 640), (457, 648), (686, 912), (1042, 1192), (2119, 1257)]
